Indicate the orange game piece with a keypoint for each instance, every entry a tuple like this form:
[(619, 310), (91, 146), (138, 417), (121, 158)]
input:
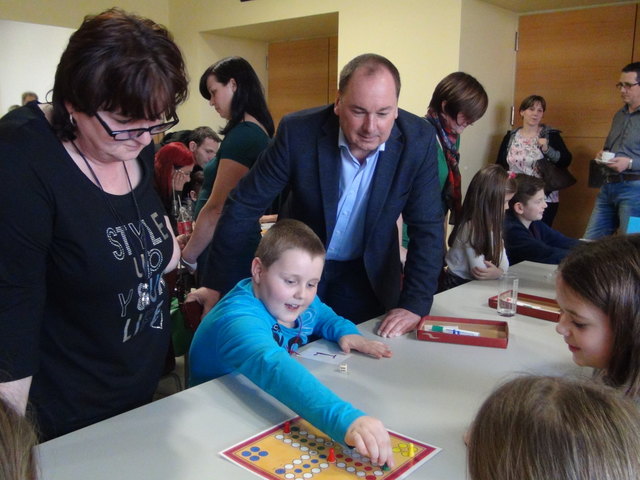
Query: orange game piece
[(287, 427), (332, 456)]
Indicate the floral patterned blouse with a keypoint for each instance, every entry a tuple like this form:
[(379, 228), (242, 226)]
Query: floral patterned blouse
[(522, 157)]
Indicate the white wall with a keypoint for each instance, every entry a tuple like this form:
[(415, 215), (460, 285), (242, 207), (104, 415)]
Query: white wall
[(29, 55), (487, 52)]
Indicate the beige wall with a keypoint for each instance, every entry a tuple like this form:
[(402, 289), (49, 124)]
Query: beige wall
[(29, 68), (422, 38), (426, 39), (487, 52)]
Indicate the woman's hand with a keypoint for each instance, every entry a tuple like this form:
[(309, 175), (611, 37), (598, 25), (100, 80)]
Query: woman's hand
[(543, 143), (491, 272), (371, 439), (370, 347)]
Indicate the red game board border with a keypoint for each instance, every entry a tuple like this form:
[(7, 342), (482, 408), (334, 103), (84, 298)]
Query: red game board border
[(531, 311), (426, 452)]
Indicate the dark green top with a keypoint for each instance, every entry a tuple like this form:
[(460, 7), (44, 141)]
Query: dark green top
[(242, 144)]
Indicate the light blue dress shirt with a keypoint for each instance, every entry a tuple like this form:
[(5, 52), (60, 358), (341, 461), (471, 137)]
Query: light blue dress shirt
[(347, 241)]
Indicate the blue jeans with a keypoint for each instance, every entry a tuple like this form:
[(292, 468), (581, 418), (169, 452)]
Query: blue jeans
[(615, 203)]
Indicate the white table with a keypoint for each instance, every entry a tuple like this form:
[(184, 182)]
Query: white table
[(429, 391)]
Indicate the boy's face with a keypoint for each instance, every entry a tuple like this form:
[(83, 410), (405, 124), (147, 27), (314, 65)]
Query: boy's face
[(289, 285), (533, 209)]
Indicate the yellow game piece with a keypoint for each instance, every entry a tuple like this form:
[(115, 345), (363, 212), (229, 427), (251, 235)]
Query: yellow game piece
[(412, 450)]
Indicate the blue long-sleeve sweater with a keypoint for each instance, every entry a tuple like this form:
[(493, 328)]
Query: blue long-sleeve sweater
[(240, 334)]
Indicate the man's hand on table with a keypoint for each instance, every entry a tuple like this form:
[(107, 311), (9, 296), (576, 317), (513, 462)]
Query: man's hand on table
[(397, 322)]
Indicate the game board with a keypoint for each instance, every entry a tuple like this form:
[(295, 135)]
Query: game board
[(303, 453)]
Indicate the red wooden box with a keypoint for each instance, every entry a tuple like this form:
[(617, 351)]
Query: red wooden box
[(492, 333), (532, 306)]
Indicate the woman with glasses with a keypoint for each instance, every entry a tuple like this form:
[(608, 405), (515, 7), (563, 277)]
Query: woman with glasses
[(232, 87), (457, 102), (84, 324), (522, 147)]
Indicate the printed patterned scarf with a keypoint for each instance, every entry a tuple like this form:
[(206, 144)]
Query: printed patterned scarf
[(452, 187)]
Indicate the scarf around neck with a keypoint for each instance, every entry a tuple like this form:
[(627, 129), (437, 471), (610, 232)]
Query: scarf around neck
[(452, 187)]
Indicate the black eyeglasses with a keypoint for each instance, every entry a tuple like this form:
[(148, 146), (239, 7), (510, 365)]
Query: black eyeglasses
[(122, 135), (625, 85)]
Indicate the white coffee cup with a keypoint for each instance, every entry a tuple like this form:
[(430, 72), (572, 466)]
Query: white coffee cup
[(606, 157)]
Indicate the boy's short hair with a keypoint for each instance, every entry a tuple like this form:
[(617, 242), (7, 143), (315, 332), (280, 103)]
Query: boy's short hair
[(287, 234), (528, 186)]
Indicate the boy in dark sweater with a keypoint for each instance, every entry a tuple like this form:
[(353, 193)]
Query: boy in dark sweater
[(526, 236)]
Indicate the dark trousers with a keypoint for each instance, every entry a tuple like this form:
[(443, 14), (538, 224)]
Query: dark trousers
[(345, 287)]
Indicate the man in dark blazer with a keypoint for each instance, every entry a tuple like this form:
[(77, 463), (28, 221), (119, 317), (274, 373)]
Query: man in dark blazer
[(351, 170)]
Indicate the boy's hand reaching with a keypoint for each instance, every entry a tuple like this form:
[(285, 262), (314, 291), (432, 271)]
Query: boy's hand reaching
[(370, 347), (371, 439)]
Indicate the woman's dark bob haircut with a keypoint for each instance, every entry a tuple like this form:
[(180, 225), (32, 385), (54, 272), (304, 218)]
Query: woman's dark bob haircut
[(118, 62), (462, 94), (249, 94)]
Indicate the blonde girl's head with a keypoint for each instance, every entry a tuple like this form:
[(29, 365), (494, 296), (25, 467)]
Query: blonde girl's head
[(540, 428), (17, 439), (483, 210), (606, 274)]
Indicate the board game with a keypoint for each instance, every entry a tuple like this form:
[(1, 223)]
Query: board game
[(534, 306), (296, 450)]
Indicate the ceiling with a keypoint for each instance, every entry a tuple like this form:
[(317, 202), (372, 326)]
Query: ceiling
[(529, 6)]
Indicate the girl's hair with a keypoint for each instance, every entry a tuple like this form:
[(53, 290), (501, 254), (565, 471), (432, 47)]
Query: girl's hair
[(287, 234), (249, 94), (541, 428), (483, 211), (17, 439), (606, 274), (170, 158), (463, 94), (531, 100), (122, 63)]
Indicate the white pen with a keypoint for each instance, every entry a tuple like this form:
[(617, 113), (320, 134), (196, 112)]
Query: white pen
[(454, 330)]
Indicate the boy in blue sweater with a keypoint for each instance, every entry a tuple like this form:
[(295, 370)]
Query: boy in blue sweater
[(256, 327), (526, 237)]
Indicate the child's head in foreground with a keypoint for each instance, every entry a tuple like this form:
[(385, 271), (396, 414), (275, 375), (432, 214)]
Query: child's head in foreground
[(597, 289), (17, 439), (541, 428), (287, 269), (528, 203)]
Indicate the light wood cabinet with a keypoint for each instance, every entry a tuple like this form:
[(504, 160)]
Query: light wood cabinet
[(302, 74)]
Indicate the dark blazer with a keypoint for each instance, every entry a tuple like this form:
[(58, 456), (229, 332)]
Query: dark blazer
[(304, 157)]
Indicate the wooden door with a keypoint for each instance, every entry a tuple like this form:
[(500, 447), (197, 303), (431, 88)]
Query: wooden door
[(573, 59), (302, 74)]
